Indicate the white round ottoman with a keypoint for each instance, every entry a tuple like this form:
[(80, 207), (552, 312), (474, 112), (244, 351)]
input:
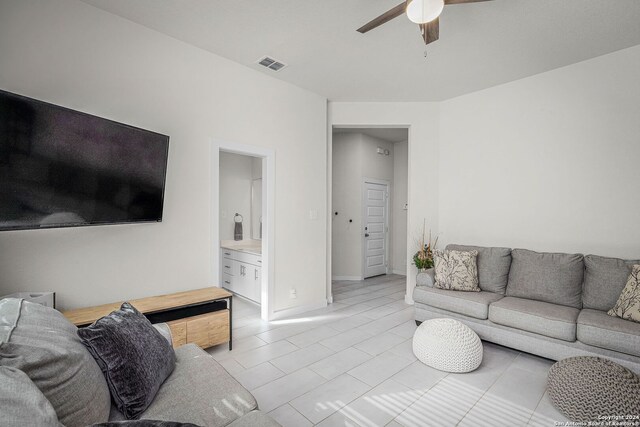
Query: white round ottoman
[(447, 345)]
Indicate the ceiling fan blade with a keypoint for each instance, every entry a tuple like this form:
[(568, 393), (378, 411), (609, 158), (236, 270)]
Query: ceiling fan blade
[(430, 31), (384, 18), (462, 1)]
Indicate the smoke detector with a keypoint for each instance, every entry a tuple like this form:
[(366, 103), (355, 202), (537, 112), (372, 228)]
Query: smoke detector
[(271, 64)]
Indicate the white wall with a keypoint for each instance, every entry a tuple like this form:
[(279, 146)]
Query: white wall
[(399, 214), (236, 174), (548, 163), (422, 120), (346, 236), (355, 157), (75, 55)]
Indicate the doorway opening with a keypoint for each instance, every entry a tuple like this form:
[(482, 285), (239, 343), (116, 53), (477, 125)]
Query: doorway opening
[(369, 181), (242, 218)]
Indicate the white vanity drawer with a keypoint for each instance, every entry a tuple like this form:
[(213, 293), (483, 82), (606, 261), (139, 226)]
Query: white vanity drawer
[(227, 253), (228, 266), (227, 281), (249, 258)]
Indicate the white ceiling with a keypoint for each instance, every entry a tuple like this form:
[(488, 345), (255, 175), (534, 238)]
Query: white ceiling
[(386, 134), (481, 44)]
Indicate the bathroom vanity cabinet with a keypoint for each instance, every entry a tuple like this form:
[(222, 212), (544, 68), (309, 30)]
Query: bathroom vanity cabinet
[(242, 272)]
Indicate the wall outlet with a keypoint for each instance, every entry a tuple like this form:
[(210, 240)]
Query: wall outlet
[(292, 293), (313, 214)]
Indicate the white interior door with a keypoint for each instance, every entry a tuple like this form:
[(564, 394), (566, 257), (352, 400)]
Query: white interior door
[(375, 222)]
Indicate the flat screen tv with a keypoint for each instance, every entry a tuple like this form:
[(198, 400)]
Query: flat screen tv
[(64, 168)]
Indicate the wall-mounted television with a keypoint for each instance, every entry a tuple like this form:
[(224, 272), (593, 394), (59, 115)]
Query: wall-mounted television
[(65, 168)]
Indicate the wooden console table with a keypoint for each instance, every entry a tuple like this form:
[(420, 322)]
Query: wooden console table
[(201, 316)]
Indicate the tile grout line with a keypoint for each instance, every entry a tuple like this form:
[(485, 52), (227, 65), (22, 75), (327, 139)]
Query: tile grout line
[(488, 388), (294, 408)]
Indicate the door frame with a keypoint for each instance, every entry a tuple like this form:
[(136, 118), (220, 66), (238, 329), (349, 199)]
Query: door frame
[(387, 221), (359, 125), (268, 212)]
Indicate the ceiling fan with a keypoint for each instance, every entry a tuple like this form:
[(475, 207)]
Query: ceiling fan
[(425, 13)]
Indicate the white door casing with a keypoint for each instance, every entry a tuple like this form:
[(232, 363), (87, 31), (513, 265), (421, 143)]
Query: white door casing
[(375, 223), (267, 273)]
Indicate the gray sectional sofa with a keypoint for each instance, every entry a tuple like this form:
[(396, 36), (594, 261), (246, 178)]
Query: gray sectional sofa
[(48, 378), (549, 304)]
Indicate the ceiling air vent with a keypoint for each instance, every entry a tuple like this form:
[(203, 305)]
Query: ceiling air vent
[(271, 64)]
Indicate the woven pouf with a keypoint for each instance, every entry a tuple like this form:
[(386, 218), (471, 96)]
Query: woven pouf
[(593, 389), (447, 345)]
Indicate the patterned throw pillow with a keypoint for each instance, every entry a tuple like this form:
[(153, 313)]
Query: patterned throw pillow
[(456, 270), (628, 305)]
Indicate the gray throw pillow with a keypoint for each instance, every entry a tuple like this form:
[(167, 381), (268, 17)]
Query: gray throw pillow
[(548, 277), (43, 344), (134, 357), (22, 403), (628, 305), (604, 280)]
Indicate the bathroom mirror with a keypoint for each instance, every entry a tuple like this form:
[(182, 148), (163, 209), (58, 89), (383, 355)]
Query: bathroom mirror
[(256, 209)]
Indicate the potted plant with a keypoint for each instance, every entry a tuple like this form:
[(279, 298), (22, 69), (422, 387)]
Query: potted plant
[(423, 259)]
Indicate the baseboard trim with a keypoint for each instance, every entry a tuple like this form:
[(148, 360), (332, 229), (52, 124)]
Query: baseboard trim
[(353, 278), (399, 272), (298, 310)]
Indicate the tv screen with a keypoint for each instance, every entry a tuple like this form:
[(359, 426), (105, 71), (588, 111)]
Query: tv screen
[(64, 168)]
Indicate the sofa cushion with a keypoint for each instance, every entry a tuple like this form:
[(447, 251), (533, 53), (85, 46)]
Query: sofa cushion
[(551, 320), (199, 391), (135, 357), (255, 419), (628, 305), (548, 277), (599, 329), (474, 304), (493, 266), (39, 341), (21, 402), (604, 280), (456, 270)]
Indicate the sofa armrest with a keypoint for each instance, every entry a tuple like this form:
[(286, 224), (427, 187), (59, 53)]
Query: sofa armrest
[(426, 278), (164, 330)]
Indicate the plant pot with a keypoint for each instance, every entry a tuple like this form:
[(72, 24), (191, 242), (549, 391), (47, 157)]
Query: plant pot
[(424, 279)]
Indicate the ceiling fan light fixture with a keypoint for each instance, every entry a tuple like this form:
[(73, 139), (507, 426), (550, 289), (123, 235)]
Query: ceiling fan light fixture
[(423, 11)]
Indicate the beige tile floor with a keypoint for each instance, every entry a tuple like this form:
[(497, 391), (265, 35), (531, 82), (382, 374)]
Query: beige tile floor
[(351, 364)]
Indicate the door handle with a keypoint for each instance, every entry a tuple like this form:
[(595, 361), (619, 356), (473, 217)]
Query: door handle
[(366, 234), (256, 274)]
